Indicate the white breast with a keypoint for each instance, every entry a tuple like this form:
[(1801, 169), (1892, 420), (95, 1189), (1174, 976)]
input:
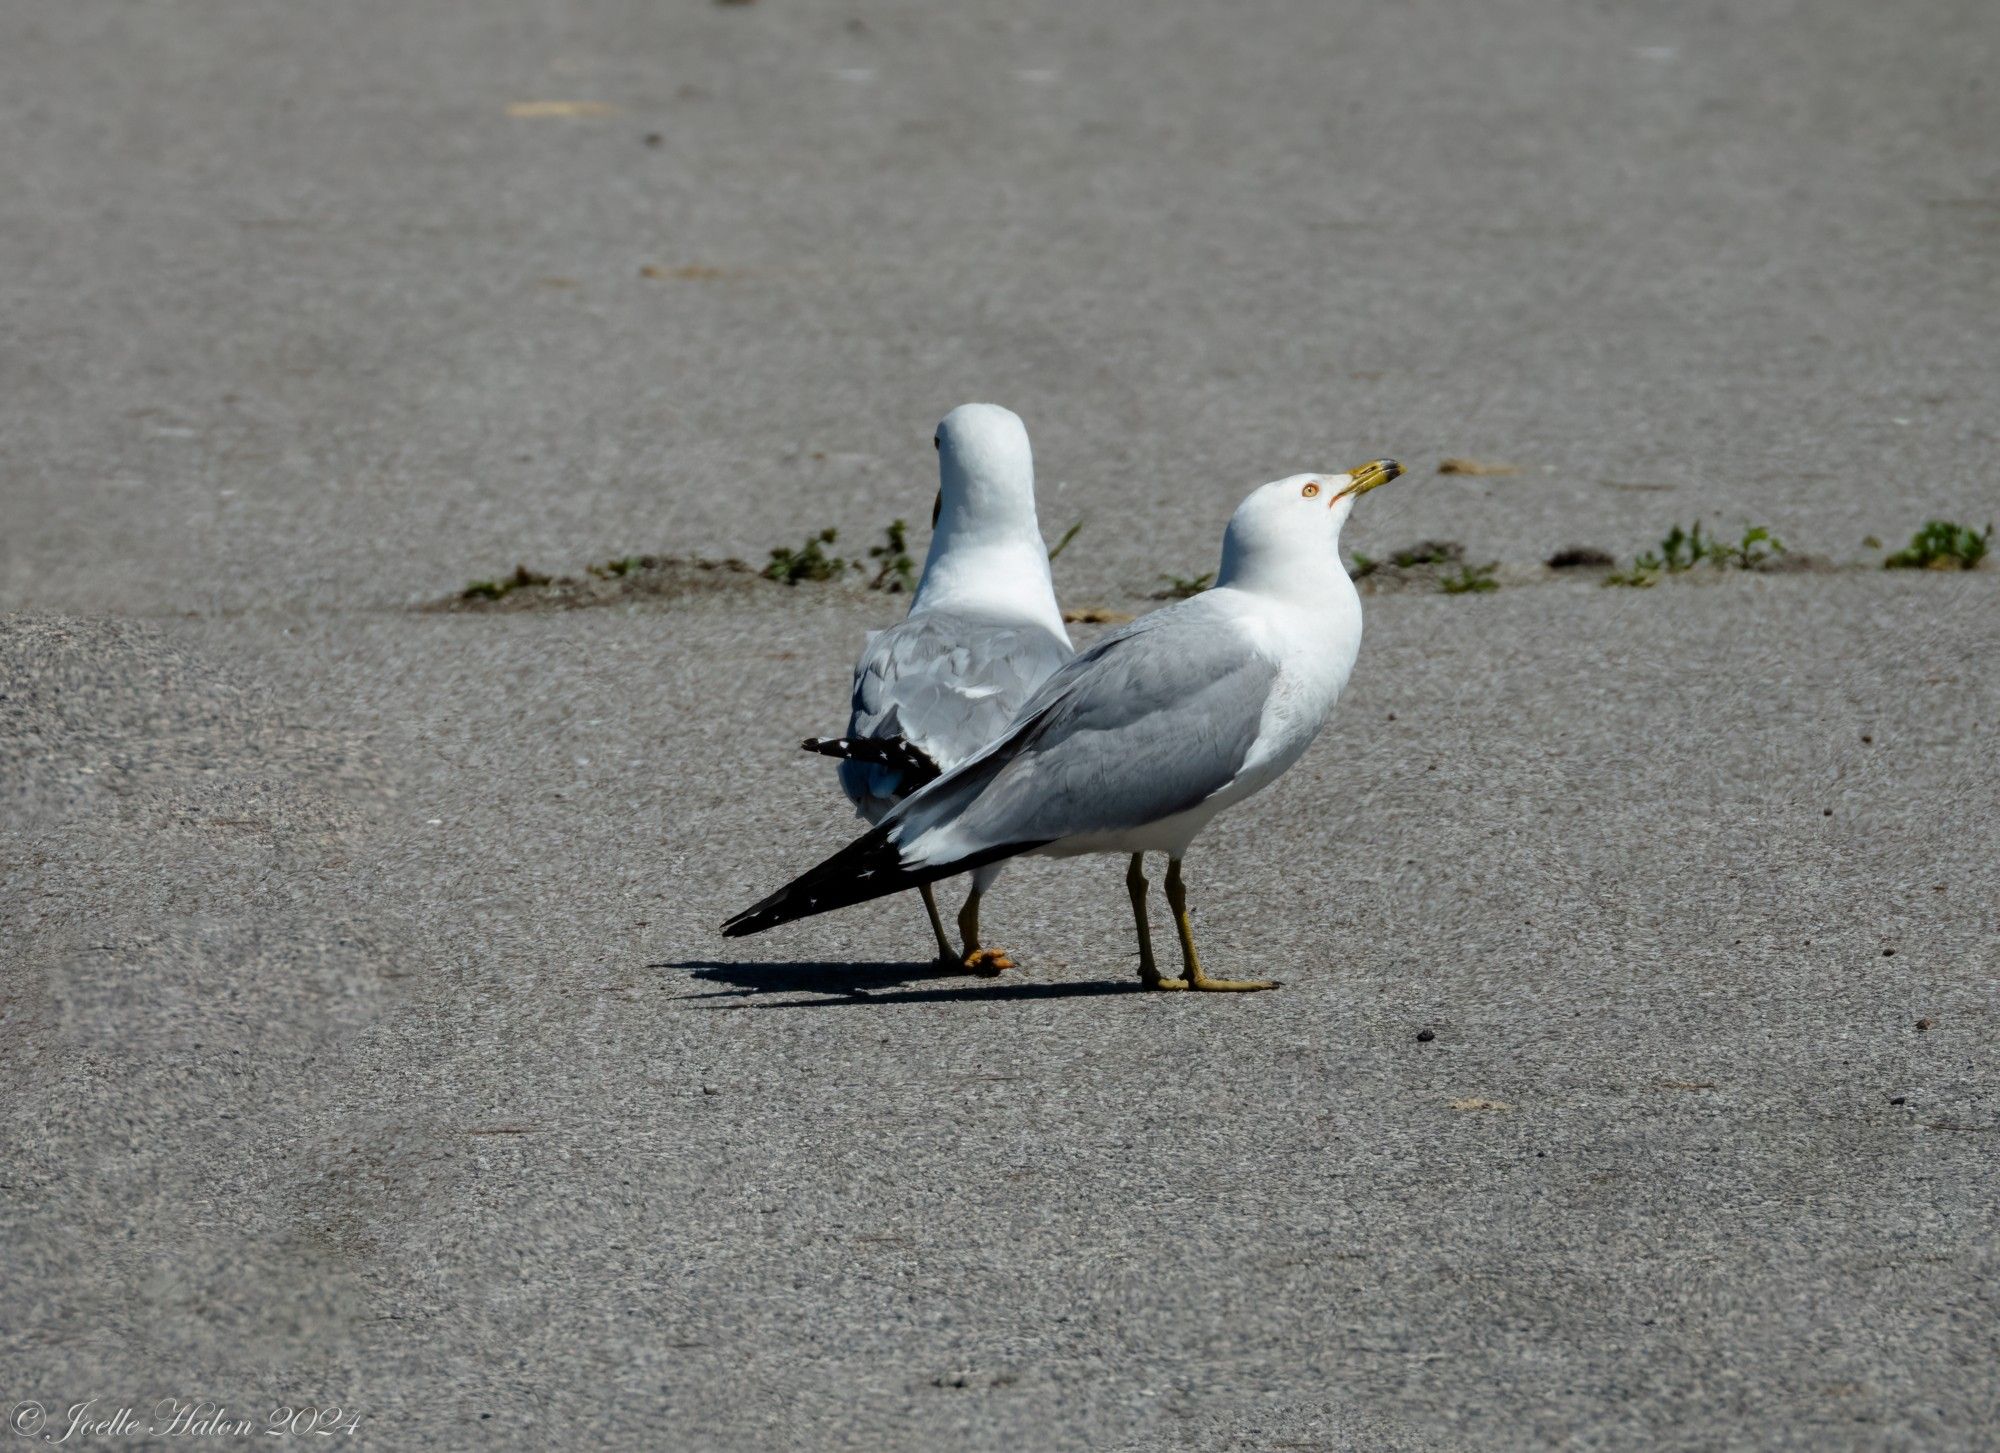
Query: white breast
[(1315, 650)]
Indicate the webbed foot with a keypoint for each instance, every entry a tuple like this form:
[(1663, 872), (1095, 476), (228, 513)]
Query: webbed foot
[(986, 962)]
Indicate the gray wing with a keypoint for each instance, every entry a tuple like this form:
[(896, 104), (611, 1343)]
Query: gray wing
[(1147, 723), (948, 683)]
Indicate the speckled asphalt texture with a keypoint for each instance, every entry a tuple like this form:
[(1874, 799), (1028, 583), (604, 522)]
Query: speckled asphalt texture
[(365, 1037)]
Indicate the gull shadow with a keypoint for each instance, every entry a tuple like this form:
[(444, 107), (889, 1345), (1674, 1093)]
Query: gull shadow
[(870, 983)]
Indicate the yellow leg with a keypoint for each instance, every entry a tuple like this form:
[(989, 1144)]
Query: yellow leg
[(1135, 884), (946, 955), (986, 961), (1196, 979)]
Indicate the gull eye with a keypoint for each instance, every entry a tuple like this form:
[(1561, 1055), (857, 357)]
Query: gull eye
[(1311, 489)]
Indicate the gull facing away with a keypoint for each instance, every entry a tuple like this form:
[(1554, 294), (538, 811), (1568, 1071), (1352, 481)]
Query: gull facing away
[(983, 631), (1137, 743)]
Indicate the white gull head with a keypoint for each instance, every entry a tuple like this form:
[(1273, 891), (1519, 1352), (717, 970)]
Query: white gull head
[(986, 471), (987, 552), (1284, 539)]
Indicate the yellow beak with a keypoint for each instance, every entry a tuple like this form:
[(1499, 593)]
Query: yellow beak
[(1368, 476)]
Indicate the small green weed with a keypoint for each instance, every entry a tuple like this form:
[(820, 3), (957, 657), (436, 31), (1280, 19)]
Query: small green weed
[(615, 569), (1680, 550), (1637, 578), (1364, 566), (1757, 545), (1942, 545), (1063, 544), (1428, 552), (1683, 549), (1180, 587), (809, 562), (898, 571), (1470, 580), (505, 585)]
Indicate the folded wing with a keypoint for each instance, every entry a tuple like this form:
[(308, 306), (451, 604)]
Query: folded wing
[(1147, 723), (945, 682)]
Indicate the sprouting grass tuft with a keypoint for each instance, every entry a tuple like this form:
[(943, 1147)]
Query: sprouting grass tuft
[(809, 562), (1942, 545), (1063, 544), (897, 572), (1637, 578), (615, 569), (1426, 565), (1680, 550), (1428, 552), (1470, 580), (1757, 545), (505, 585), (1180, 587)]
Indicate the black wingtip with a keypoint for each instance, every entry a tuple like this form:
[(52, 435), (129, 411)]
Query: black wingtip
[(869, 867), (766, 912), (916, 767)]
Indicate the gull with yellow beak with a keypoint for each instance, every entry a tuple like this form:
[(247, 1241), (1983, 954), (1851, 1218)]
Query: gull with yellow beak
[(1137, 743)]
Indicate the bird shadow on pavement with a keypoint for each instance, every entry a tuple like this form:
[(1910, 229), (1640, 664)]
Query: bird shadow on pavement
[(871, 983)]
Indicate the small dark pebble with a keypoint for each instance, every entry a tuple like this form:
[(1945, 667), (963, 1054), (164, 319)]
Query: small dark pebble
[(1425, 1036), (653, 138), (1866, 738), (1827, 813), (1922, 1025), (1888, 953), (1899, 1099), (1541, 1155), (710, 1090), (1576, 557)]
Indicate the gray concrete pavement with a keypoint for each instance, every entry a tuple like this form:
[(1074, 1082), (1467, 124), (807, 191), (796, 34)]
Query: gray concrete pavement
[(300, 314), (365, 1036)]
